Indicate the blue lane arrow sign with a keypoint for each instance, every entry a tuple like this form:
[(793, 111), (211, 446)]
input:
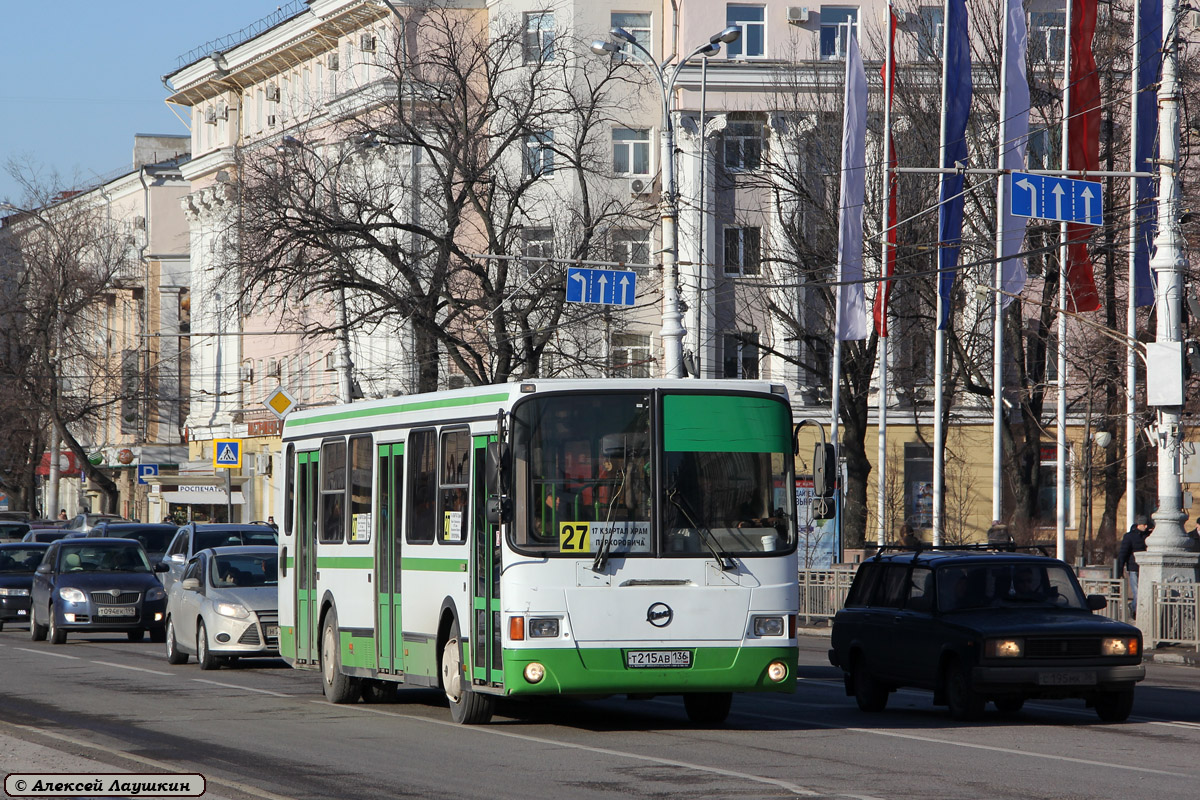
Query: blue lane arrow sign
[(610, 287), (1061, 199)]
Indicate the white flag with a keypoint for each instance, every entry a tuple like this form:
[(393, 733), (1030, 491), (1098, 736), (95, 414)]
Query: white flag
[(1015, 108), (853, 322)]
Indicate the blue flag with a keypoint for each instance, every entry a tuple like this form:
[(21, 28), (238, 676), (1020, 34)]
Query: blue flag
[(1150, 61), (956, 77)]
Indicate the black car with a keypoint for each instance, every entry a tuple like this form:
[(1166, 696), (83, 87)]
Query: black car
[(194, 537), (12, 530), (91, 585), (155, 537), (18, 560), (977, 626)]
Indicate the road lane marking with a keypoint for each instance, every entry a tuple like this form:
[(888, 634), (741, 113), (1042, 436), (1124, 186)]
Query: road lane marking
[(242, 688), (160, 765), (135, 669), (48, 653), (728, 773), (969, 745)]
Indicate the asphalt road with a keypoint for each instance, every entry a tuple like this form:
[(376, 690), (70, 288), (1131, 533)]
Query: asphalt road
[(262, 730)]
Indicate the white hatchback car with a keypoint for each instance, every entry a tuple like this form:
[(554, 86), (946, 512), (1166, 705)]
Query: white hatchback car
[(225, 606)]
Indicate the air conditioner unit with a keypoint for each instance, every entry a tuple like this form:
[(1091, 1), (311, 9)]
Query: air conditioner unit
[(223, 111), (797, 15), (639, 187), (366, 43), (272, 93), (210, 116), (332, 63), (262, 463)]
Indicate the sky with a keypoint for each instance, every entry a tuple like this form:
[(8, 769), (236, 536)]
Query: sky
[(79, 79)]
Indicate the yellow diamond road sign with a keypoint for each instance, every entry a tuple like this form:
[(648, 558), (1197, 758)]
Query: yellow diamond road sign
[(280, 402)]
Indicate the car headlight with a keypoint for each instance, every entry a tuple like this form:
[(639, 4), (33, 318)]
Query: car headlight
[(72, 595), (1125, 646), (236, 610), (155, 593), (1005, 648), (768, 626), (7, 592), (543, 628)]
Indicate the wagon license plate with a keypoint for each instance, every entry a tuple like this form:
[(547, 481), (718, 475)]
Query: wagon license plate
[(271, 631), (116, 611), (1073, 678), (658, 659)]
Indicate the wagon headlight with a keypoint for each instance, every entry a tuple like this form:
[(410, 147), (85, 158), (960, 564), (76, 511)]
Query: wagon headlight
[(1124, 646), (235, 610), (1005, 648), (546, 628), (768, 626), (72, 595)]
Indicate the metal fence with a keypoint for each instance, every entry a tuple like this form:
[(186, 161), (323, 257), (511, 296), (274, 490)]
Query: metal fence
[(823, 591), (1175, 614), (1115, 591)]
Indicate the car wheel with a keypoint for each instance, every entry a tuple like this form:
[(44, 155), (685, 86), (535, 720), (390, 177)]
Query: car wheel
[(57, 634), (135, 636), (1009, 705), (466, 707), (965, 703), (376, 691), (174, 656), (869, 693), (707, 708), (1114, 706), (338, 687), (1, 626), (158, 635), (203, 655), (36, 632)]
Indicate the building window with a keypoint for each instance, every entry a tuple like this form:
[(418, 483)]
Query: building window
[(1047, 496), (838, 24), (539, 154), (742, 254), (631, 151), (629, 356), (743, 146), (539, 37), (639, 26), (1047, 36), (752, 21), (741, 355), (632, 247), (537, 243), (930, 35)]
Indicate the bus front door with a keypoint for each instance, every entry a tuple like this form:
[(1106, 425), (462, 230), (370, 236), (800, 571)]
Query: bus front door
[(390, 491), (486, 657), (306, 560)]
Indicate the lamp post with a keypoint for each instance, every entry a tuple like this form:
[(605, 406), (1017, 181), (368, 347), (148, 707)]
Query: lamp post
[(665, 74)]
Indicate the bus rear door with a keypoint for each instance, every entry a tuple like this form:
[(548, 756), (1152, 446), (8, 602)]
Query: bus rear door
[(390, 490)]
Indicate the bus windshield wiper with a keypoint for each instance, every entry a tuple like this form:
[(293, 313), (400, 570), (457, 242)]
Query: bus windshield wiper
[(709, 538), (602, 551)]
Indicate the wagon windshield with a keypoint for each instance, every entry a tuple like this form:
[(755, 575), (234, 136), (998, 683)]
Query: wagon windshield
[(962, 588)]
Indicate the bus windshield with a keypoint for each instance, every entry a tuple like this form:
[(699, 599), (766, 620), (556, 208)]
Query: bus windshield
[(586, 482)]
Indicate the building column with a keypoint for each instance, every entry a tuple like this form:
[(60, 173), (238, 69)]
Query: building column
[(785, 146), (697, 176)]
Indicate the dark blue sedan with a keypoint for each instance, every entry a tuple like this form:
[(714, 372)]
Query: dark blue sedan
[(18, 560), (97, 585)]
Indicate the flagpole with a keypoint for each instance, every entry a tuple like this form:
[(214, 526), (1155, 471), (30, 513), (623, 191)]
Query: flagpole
[(1135, 78), (939, 336), (998, 282), (1060, 486), (888, 78)]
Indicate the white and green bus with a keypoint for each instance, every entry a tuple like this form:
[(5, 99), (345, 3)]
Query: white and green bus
[(548, 537)]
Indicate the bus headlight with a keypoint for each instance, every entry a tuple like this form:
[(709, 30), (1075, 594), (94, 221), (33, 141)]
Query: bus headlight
[(546, 628), (777, 671), (534, 672), (768, 626), (1125, 646)]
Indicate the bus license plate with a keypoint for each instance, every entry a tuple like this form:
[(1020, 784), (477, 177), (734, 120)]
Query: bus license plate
[(1066, 678), (116, 611), (636, 659)]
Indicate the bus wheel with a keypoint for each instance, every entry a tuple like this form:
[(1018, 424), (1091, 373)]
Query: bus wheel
[(708, 708), (338, 687), (466, 707)]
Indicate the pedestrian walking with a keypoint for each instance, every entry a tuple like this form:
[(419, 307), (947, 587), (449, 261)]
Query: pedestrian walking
[(1133, 543)]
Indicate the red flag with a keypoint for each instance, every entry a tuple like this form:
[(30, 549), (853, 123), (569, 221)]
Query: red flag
[(883, 294), (1083, 149)]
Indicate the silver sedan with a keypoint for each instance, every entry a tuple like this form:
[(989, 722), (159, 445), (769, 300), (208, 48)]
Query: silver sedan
[(225, 606)]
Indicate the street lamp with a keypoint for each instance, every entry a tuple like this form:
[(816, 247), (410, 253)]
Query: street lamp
[(672, 329)]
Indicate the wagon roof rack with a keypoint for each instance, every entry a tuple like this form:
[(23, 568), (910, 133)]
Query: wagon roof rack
[(975, 547)]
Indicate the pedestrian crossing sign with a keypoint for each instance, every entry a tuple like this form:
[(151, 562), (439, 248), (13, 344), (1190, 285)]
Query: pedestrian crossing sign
[(227, 453)]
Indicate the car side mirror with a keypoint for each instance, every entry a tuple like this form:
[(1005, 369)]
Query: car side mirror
[(177, 558), (1097, 602), (162, 566), (43, 569), (191, 584)]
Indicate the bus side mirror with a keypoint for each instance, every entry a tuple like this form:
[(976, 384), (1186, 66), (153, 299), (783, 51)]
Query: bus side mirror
[(499, 510), (824, 470), (499, 468)]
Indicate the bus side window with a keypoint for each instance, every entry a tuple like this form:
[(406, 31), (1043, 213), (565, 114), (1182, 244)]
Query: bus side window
[(422, 486), (289, 503), (333, 492), (454, 485)]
